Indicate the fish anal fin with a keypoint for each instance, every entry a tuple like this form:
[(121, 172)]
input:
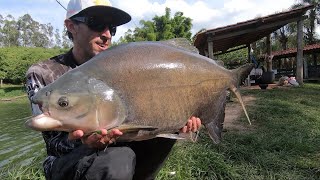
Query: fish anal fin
[(214, 132), (170, 136), (125, 128)]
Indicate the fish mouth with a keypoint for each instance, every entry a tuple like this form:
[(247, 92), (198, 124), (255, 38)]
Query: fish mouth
[(43, 122)]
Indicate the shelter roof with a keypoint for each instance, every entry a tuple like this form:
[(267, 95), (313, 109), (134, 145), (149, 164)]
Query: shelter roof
[(308, 49), (246, 32)]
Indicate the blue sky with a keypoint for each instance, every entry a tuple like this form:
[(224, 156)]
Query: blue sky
[(205, 13)]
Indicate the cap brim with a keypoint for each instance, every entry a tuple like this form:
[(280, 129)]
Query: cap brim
[(114, 15)]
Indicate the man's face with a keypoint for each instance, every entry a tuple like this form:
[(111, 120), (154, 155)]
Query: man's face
[(89, 40)]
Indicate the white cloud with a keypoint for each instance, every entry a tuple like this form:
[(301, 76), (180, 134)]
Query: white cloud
[(139, 8), (235, 6), (254, 9)]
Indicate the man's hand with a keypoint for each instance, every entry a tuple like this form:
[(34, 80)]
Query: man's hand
[(193, 125), (96, 140), (102, 139)]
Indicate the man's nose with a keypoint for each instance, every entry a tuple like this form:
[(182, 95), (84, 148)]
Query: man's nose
[(106, 33)]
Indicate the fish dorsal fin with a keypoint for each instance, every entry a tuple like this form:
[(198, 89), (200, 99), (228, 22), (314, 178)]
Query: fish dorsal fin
[(181, 43)]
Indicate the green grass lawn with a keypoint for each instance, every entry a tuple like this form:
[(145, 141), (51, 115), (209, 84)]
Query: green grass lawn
[(10, 91), (282, 144)]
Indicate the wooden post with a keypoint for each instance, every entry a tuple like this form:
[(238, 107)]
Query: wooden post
[(299, 70), (305, 69), (249, 53), (210, 46), (314, 57), (269, 59)]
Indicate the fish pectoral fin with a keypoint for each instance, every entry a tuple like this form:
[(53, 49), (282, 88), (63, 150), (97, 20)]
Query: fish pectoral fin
[(170, 136), (134, 128)]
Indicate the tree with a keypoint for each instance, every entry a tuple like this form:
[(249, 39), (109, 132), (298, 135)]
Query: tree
[(1, 34), (27, 32), (164, 26), (310, 23), (282, 36), (3, 72), (43, 35), (312, 20), (10, 32), (182, 26), (66, 42), (160, 28), (14, 61), (26, 26), (57, 38)]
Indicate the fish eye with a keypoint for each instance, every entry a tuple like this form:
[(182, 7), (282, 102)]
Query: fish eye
[(63, 101)]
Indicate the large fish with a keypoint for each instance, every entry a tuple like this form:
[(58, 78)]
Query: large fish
[(145, 89)]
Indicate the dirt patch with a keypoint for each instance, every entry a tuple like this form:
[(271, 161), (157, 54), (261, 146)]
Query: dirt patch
[(234, 111)]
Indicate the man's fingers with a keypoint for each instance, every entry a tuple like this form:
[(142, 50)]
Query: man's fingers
[(115, 132), (99, 139), (198, 123), (189, 125), (184, 129), (104, 132), (194, 125), (75, 135)]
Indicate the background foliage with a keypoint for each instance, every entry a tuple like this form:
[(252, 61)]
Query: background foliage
[(24, 41), (14, 61), (160, 28)]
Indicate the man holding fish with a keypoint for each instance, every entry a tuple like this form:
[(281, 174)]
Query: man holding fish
[(76, 155)]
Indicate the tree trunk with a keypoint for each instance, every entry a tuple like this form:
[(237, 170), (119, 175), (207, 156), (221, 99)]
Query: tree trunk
[(299, 71)]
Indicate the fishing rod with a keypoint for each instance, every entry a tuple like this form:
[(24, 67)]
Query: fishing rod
[(61, 5)]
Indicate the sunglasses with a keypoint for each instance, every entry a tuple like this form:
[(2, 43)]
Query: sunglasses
[(96, 24)]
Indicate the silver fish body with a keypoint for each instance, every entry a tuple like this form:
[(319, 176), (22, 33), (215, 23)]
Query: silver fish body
[(143, 84)]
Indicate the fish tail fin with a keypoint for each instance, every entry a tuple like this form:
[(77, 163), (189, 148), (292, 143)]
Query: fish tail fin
[(236, 92), (241, 73)]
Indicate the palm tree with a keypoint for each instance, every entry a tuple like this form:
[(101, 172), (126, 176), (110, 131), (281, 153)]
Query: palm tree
[(311, 22)]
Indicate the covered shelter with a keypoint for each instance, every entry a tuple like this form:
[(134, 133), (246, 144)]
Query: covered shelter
[(310, 71), (241, 35)]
